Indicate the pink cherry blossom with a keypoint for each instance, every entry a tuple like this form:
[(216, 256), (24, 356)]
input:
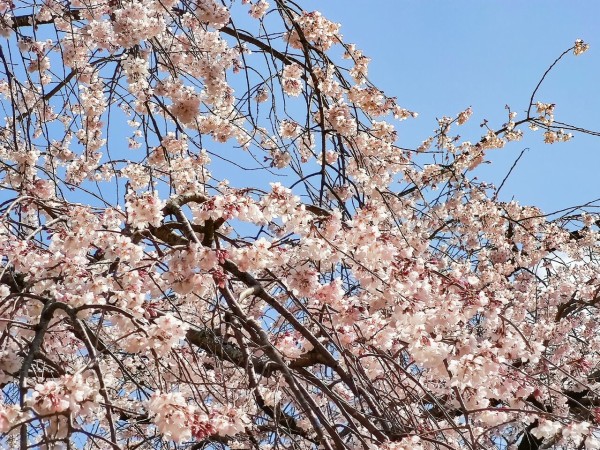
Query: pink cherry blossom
[(213, 233)]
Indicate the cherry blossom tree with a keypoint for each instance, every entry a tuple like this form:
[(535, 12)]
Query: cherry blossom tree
[(212, 238)]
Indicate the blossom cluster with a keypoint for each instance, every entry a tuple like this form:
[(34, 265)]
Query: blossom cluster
[(357, 294)]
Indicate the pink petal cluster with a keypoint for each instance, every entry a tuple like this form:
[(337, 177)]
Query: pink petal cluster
[(191, 258)]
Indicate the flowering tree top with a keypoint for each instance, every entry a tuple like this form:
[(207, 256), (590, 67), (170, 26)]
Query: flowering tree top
[(210, 237)]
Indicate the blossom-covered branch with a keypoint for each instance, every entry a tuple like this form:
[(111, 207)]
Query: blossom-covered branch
[(211, 237)]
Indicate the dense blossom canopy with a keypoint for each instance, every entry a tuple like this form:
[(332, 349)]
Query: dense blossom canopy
[(211, 238)]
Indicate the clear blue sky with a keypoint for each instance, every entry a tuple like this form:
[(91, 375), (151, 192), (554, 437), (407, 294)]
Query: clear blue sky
[(439, 57)]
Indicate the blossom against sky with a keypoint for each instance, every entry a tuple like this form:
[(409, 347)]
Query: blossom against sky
[(440, 57)]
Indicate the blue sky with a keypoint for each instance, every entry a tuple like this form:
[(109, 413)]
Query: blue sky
[(439, 57)]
